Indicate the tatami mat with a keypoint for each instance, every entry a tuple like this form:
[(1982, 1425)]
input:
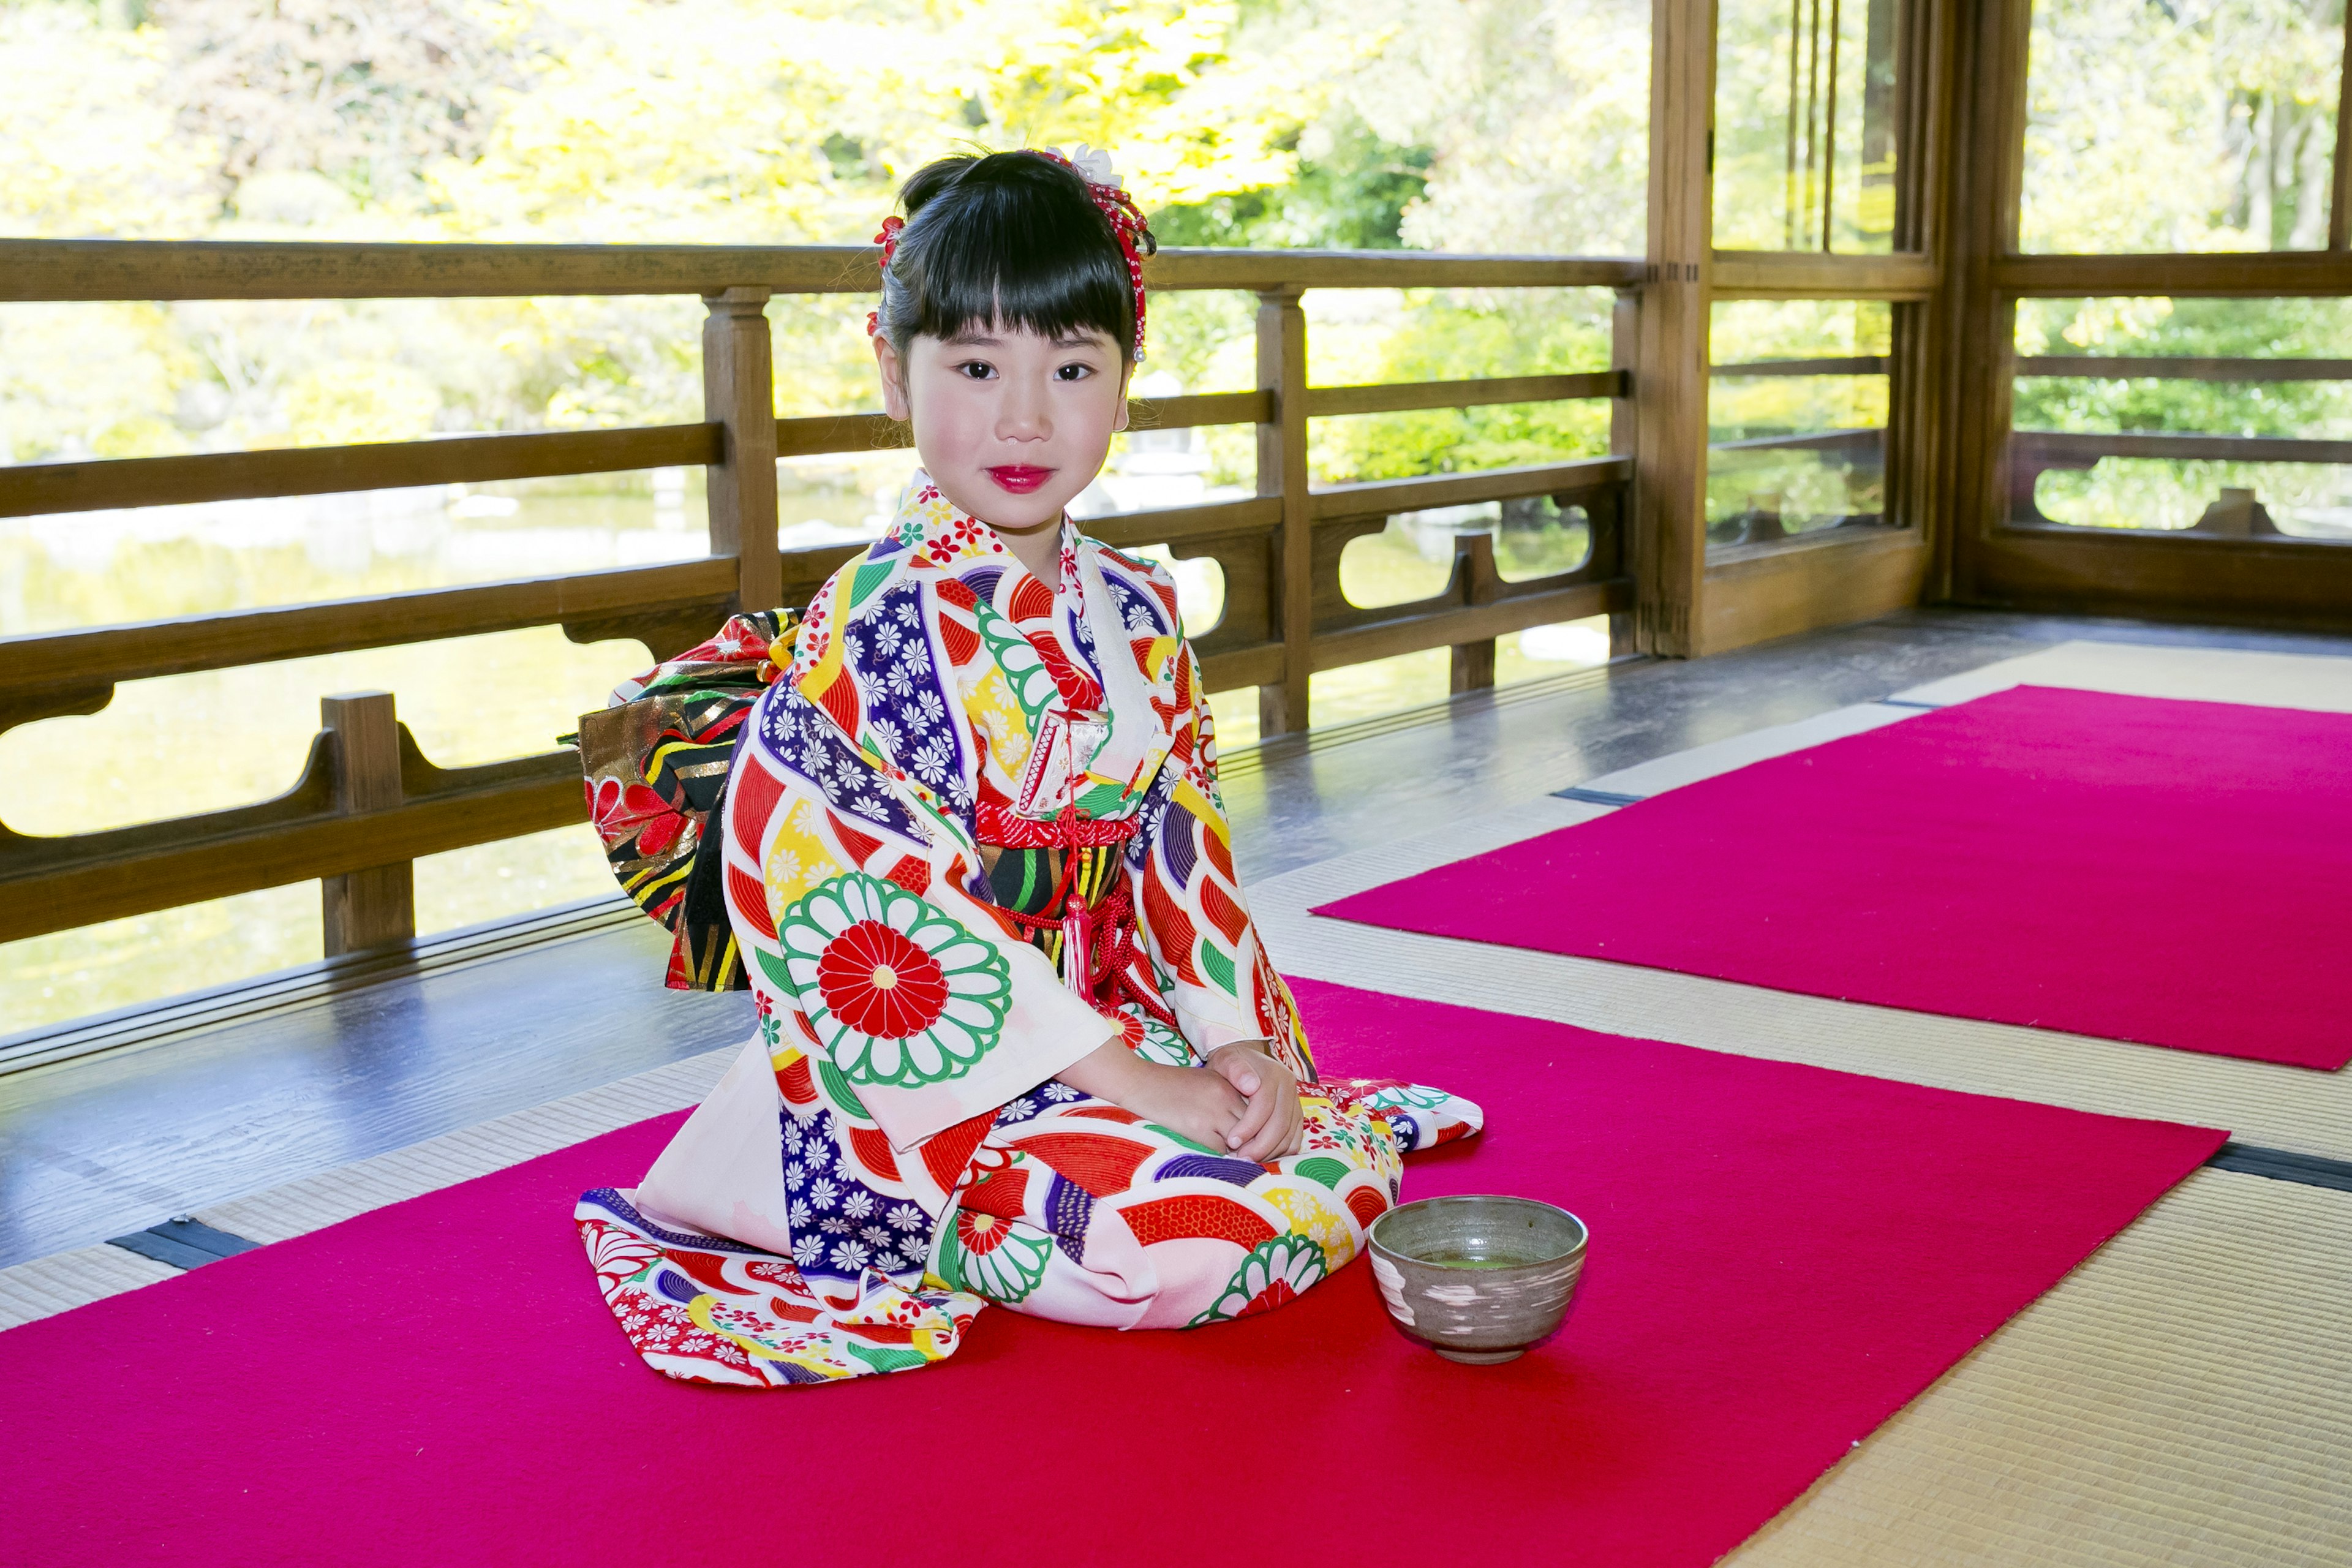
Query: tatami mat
[(2178, 1399), (2142, 669), (51, 1284), (2260, 1102), (56, 1284)]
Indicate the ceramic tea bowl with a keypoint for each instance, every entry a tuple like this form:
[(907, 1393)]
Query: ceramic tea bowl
[(1477, 1279)]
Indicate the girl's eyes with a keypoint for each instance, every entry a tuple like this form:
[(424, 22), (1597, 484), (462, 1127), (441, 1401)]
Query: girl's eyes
[(980, 369)]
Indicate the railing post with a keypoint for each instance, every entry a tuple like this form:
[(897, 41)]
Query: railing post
[(377, 906), (1625, 352), (739, 393), (1471, 665), (1282, 471)]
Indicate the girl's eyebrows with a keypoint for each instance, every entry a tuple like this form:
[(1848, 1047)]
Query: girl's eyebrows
[(973, 339)]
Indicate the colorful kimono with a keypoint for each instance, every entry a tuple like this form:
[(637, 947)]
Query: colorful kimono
[(971, 834)]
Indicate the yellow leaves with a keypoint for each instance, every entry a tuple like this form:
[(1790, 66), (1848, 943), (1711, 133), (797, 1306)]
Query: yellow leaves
[(2098, 321), (340, 403), (1152, 80), (82, 124)]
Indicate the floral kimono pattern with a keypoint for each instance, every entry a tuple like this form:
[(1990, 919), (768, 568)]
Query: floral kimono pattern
[(972, 834)]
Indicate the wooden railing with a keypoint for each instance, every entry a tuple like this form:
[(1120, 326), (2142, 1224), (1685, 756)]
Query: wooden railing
[(2033, 453), (369, 802)]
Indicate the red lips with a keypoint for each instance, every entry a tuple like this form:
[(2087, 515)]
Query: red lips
[(1020, 478)]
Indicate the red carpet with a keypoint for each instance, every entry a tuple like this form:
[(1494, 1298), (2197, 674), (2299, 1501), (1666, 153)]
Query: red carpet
[(2170, 873), (1781, 1256)]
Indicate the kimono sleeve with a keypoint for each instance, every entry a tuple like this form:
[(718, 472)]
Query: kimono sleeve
[(868, 926), (1194, 919)]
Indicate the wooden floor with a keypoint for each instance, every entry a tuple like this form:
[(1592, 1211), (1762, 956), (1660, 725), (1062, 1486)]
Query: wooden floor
[(263, 1084)]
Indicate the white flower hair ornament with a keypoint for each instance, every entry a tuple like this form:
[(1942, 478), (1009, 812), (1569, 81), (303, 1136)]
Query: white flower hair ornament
[(1093, 163)]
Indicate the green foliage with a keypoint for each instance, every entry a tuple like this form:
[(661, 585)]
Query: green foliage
[(1289, 122), (2192, 329), (1350, 195), (2181, 124)]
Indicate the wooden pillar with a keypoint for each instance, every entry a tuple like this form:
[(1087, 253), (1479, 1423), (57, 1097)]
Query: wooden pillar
[(1669, 535), (1282, 471), (1986, 174), (1471, 666), (377, 906), (1624, 355), (738, 394)]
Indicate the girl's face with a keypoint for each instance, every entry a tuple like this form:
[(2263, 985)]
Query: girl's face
[(1011, 425)]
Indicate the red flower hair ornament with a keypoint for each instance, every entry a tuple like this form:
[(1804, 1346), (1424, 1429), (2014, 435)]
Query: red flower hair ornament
[(1126, 219)]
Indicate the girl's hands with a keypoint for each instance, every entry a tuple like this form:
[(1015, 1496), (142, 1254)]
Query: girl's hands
[(1243, 1101), (1199, 1104), (1273, 1124)]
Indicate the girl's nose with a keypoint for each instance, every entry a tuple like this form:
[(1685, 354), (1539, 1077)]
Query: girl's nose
[(1022, 416)]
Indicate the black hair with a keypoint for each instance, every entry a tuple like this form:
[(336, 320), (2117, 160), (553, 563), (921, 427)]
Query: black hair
[(1006, 237)]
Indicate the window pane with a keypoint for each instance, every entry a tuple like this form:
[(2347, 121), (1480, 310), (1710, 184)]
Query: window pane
[(1796, 418), (2195, 125), (1804, 116), (2076, 384)]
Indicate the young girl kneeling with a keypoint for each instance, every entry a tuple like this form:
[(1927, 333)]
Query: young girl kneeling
[(1018, 1040)]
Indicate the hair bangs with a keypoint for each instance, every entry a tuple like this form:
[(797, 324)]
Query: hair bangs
[(1006, 241)]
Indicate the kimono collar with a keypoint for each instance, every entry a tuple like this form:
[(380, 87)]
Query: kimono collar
[(938, 534)]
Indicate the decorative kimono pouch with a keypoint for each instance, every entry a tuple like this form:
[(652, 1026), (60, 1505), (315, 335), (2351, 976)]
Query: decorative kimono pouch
[(655, 760)]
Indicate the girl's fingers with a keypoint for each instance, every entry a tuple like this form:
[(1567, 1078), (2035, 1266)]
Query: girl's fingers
[(1252, 1122), (1282, 1131), (1236, 1069)]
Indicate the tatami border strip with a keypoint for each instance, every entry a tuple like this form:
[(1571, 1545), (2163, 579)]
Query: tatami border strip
[(1597, 797), (184, 1243), (2283, 1165)]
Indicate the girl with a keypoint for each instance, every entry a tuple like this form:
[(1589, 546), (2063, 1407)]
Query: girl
[(1018, 1040)]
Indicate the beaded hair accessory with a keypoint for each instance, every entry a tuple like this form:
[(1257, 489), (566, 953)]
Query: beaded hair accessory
[(1107, 189)]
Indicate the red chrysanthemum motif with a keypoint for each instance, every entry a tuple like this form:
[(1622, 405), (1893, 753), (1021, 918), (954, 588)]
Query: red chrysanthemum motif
[(1276, 1292), (880, 983), (982, 1233)]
